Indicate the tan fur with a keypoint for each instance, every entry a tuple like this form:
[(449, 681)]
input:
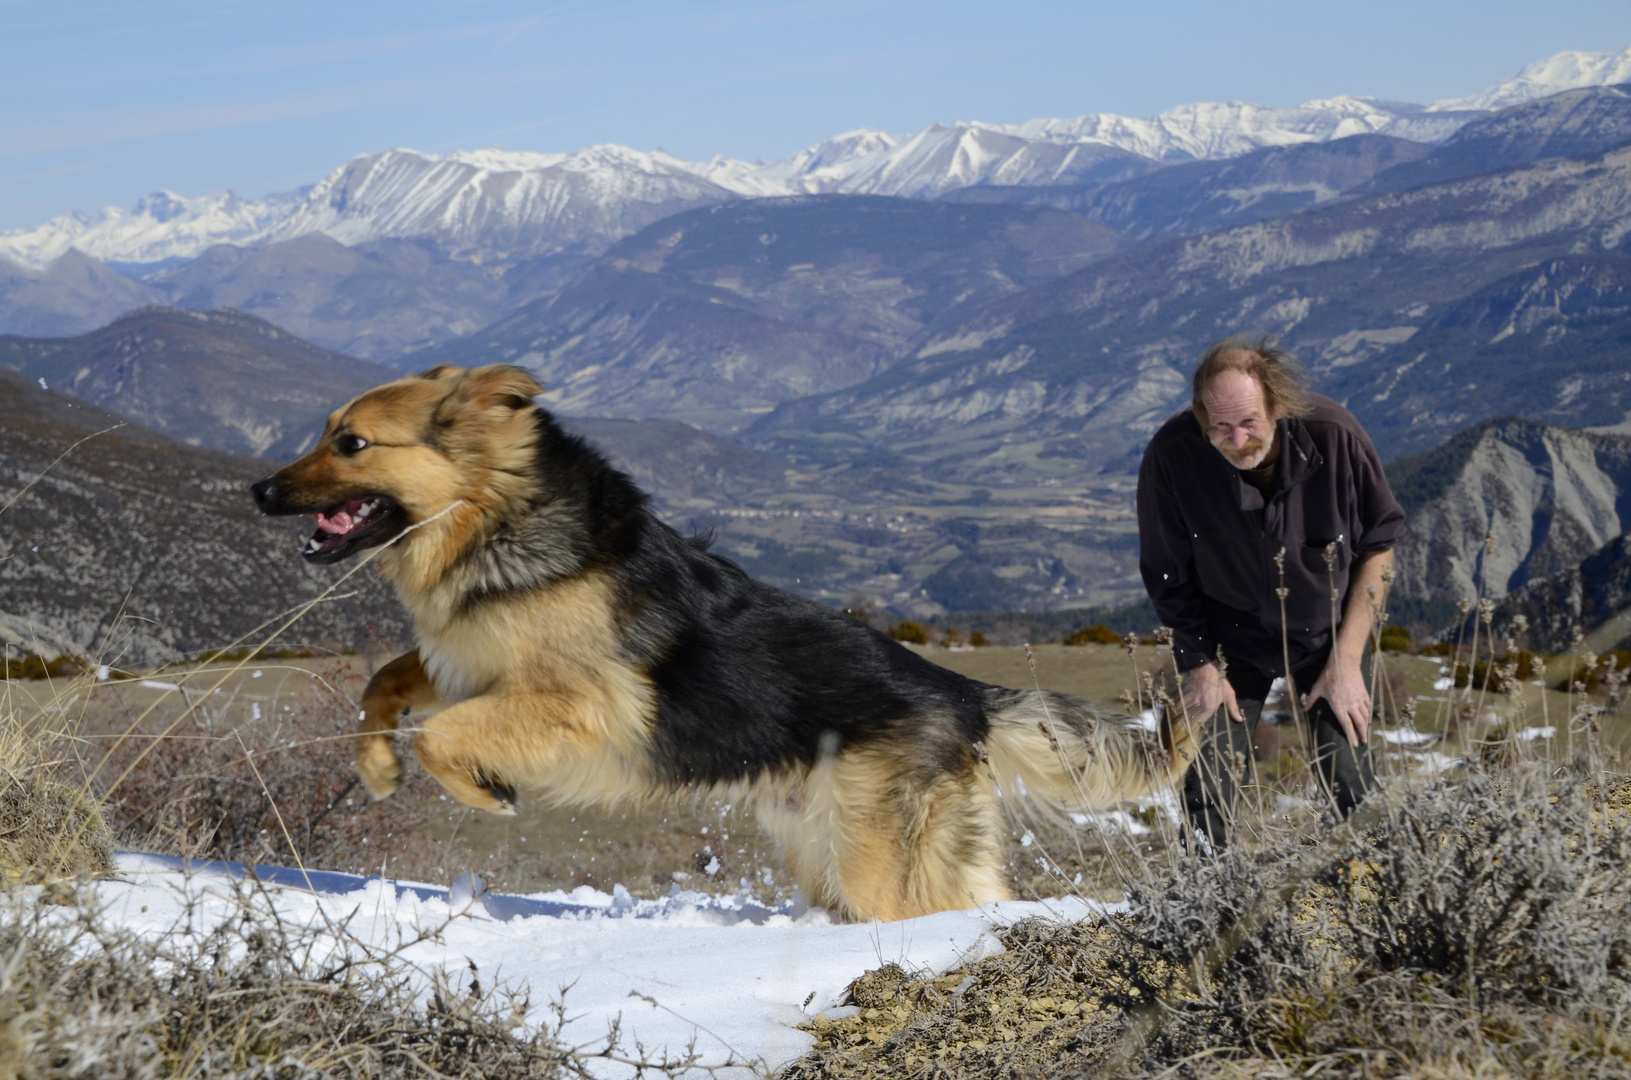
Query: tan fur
[(532, 694), (530, 688), (543, 699), (865, 839)]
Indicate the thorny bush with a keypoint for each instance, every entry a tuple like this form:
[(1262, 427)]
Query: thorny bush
[(258, 999)]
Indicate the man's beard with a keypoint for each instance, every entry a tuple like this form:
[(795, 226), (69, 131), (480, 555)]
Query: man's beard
[(1249, 456)]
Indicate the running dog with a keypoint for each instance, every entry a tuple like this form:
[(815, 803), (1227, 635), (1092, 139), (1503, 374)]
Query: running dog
[(572, 643)]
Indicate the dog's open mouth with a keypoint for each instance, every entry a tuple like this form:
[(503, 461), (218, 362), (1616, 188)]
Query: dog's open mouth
[(350, 526)]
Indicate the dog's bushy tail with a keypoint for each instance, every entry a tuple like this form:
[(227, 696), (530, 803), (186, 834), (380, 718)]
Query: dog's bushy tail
[(1068, 754)]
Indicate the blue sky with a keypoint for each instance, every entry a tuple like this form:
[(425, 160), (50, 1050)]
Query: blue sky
[(102, 102)]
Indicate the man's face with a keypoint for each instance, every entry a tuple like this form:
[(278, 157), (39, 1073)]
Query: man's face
[(1241, 426)]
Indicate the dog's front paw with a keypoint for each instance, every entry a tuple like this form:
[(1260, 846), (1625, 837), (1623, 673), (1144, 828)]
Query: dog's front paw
[(378, 765)]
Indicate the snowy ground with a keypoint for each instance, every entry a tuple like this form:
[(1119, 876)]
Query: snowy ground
[(732, 975)]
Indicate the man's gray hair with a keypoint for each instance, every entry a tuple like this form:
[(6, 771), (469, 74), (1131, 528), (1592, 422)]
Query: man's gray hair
[(1285, 386)]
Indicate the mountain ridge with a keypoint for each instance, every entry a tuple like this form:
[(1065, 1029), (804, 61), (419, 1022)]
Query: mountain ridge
[(539, 202), (1099, 357), (134, 549), (186, 373)]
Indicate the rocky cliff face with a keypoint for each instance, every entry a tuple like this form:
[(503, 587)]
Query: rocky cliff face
[(136, 549), (1592, 599), (1504, 504)]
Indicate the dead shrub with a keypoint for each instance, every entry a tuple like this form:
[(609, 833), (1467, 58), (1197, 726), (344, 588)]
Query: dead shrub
[(1474, 927), (912, 633), (1097, 634), (1394, 639), (234, 782), (256, 998)]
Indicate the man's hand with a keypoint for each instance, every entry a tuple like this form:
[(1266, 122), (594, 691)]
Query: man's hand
[(1204, 690), (1342, 685)]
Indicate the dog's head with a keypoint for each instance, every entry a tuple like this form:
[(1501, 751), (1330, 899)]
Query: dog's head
[(405, 452)]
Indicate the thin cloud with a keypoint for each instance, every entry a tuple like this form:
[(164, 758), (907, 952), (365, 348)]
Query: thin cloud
[(526, 24)]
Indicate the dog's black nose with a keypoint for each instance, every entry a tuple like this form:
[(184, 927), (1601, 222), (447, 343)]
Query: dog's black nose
[(265, 493)]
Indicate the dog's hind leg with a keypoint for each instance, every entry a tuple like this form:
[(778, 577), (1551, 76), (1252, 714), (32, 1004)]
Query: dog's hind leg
[(902, 838), (956, 846), (396, 688)]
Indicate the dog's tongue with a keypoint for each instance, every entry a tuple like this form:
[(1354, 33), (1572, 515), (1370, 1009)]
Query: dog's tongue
[(340, 522)]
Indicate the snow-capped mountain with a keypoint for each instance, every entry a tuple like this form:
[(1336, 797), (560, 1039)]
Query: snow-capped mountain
[(1564, 71), (162, 226), (1217, 130), (507, 204), (492, 201), (498, 201), (938, 159)]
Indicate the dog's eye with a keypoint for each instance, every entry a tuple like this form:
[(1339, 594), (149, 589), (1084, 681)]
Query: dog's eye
[(350, 444)]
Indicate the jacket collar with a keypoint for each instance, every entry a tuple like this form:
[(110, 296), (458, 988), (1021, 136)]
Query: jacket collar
[(1299, 459)]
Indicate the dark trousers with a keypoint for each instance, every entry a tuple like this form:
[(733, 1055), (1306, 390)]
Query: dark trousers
[(1212, 784)]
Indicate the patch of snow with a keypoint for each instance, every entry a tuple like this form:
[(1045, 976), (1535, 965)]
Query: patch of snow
[(1435, 762), (1409, 736), (731, 973)]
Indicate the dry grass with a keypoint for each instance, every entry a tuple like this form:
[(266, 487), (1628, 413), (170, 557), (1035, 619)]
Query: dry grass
[(1474, 922), (249, 778), (50, 828), (1473, 928), (252, 996)]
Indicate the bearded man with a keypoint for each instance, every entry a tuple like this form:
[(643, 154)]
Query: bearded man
[(1265, 526)]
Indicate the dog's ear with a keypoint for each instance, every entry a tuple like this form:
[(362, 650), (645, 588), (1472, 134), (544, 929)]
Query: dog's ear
[(441, 371), (497, 385)]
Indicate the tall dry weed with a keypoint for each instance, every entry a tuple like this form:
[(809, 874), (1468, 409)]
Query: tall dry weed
[(51, 828)]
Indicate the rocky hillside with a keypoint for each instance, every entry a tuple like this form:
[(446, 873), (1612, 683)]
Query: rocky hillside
[(716, 316), (136, 549), (1574, 123), (1543, 498), (220, 379), (1593, 598), (1551, 339), (1085, 367), (1203, 196), (70, 295)]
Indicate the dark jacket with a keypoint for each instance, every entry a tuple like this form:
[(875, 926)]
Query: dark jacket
[(1207, 541)]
